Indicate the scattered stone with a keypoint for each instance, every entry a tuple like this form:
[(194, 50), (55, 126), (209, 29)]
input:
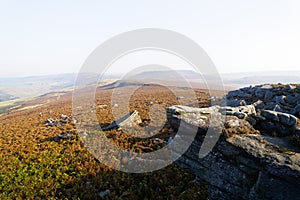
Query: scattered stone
[(62, 120), (64, 117), (66, 135)]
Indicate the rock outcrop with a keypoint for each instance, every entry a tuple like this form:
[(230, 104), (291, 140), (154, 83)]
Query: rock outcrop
[(281, 98), (255, 156)]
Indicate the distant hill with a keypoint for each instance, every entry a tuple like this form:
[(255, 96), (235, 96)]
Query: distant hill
[(253, 78), (35, 85), (230, 80), (12, 88)]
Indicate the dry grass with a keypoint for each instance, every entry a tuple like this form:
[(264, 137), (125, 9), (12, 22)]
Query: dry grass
[(34, 166)]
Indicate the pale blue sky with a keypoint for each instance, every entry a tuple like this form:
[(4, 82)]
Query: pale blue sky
[(49, 37)]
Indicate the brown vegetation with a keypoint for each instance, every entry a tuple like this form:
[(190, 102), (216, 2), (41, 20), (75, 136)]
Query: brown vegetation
[(34, 166)]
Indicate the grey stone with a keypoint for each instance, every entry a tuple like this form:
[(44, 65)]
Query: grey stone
[(290, 99), (235, 103), (258, 117), (270, 106), (296, 110), (240, 115), (234, 93), (131, 119), (269, 95), (279, 109), (259, 105), (280, 99), (271, 115), (287, 119)]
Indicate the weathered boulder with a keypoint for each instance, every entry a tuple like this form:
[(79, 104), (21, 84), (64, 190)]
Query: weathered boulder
[(243, 164), (127, 121)]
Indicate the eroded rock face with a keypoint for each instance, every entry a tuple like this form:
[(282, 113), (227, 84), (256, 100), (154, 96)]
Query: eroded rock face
[(255, 157)]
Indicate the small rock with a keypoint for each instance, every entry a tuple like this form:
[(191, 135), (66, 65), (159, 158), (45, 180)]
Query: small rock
[(115, 105)]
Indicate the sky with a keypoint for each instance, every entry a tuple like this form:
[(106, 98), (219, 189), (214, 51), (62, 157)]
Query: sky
[(51, 37)]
